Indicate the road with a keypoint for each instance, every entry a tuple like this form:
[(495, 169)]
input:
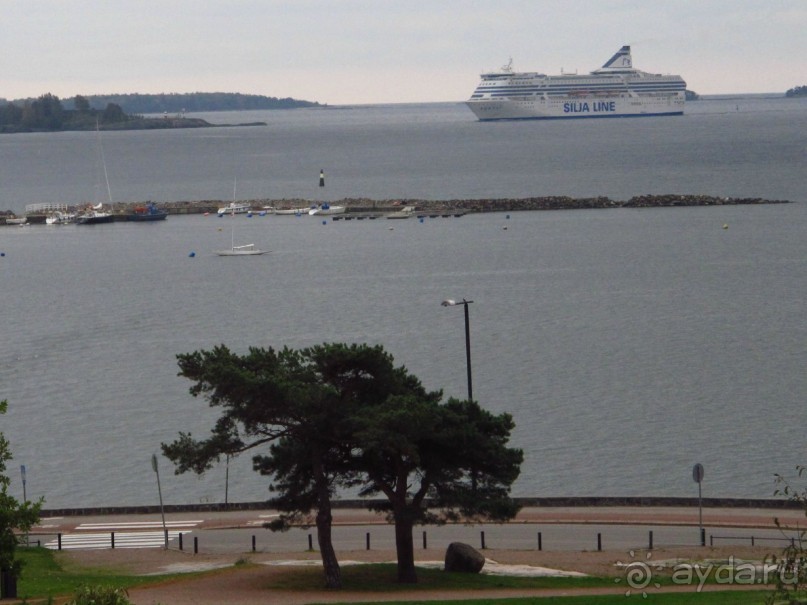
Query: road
[(545, 528)]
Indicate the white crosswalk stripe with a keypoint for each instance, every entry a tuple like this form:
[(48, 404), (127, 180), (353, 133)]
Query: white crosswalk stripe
[(261, 520), (93, 541), (140, 534), (138, 525)]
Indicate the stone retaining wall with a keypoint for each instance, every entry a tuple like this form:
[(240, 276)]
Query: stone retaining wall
[(557, 502)]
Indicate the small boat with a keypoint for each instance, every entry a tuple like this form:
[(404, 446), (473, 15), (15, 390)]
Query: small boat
[(60, 218), (149, 212), (94, 215), (326, 209), (234, 208), (404, 212), (291, 211), (17, 220), (244, 249)]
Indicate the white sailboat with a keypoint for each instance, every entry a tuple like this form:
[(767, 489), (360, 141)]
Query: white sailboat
[(94, 215), (243, 249)]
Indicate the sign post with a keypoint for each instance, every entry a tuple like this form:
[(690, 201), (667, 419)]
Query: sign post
[(22, 472), (24, 495), (697, 476), (160, 492)]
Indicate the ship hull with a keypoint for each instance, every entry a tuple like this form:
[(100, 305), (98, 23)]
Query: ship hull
[(564, 109)]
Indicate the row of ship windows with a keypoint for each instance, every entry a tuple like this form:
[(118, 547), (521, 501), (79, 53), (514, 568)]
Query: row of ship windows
[(567, 90), (562, 102), (663, 98), (645, 93)]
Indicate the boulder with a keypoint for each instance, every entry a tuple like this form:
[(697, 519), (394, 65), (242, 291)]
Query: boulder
[(464, 558)]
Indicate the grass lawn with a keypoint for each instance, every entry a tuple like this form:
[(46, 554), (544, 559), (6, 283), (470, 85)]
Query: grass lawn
[(43, 577)]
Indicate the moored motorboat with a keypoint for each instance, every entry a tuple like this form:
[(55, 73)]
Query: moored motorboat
[(234, 208), (149, 212), (404, 212), (60, 218), (326, 209)]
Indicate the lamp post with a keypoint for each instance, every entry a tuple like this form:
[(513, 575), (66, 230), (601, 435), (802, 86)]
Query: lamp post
[(160, 492), (453, 303)]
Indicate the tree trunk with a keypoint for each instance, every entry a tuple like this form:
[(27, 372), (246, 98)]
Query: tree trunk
[(330, 565), (405, 548), (333, 575)]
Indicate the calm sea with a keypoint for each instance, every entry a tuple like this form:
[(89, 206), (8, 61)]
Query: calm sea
[(627, 344)]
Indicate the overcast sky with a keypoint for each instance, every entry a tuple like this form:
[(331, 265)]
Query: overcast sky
[(374, 51)]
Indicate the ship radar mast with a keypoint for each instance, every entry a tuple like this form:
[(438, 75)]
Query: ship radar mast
[(508, 69)]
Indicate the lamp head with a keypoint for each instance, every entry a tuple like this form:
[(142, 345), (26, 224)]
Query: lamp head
[(449, 302)]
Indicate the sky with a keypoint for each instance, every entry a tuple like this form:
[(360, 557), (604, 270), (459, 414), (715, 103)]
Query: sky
[(343, 52)]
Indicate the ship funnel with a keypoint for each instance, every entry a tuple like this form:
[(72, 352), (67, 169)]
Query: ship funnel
[(620, 60)]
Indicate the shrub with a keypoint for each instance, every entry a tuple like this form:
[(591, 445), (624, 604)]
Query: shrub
[(100, 595)]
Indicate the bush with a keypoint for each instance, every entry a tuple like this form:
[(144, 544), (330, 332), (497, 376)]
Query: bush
[(101, 595)]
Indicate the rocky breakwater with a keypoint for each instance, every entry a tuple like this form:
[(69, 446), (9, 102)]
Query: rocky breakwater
[(664, 201), (358, 205), (570, 203)]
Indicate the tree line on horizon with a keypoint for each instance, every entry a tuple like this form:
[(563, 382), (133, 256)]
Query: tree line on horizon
[(46, 113), (136, 103), (798, 91)]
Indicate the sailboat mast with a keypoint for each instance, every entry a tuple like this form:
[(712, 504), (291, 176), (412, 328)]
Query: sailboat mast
[(232, 216), (103, 161)]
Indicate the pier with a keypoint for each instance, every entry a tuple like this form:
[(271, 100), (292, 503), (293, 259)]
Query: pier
[(366, 209)]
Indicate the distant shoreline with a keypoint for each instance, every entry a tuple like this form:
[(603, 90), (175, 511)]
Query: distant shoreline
[(133, 123)]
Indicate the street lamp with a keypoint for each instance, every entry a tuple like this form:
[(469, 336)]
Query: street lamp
[(156, 469), (453, 303)]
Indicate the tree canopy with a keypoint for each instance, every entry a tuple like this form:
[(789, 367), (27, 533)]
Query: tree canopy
[(344, 416), (15, 517), (46, 113)]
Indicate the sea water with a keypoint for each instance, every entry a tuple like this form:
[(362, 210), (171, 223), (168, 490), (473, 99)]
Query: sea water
[(627, 344)]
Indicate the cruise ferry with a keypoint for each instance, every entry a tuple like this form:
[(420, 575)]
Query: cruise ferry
[(615, 90)]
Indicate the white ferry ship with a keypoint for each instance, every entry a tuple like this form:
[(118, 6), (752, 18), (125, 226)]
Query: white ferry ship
[(614, 90)]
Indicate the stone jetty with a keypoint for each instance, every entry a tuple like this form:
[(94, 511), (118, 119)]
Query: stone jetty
[(365, 205), (455, 207)]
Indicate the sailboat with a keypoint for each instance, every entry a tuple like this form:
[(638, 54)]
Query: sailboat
[(243, 249), (94, 215)]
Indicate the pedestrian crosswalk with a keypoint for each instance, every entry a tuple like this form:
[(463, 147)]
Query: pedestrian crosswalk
[(261, 520), (139, 534)]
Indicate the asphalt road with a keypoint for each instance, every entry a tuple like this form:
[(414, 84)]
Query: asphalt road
[(545, 528)]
